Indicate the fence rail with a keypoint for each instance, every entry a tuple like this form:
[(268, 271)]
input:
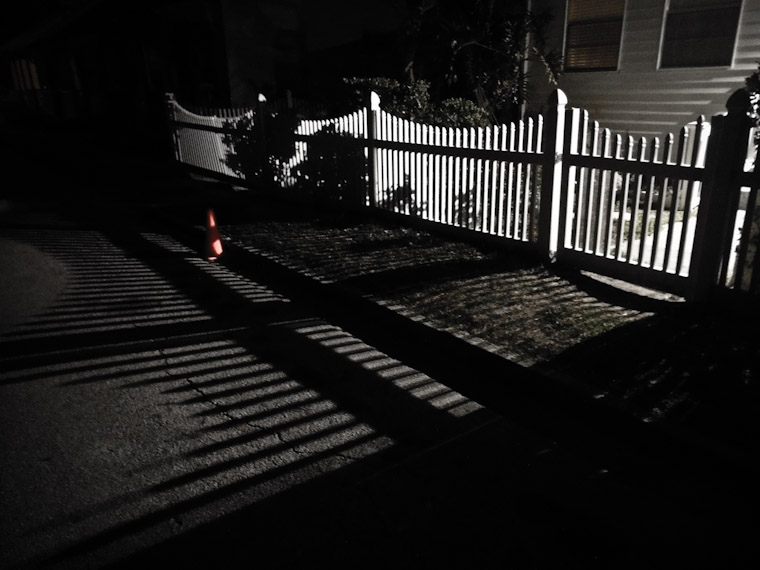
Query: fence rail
[(678, 213)]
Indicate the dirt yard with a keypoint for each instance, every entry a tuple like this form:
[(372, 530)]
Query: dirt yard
[(645, 352)]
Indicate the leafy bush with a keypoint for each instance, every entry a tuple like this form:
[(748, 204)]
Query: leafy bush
[(334, 170), (253, 158), (408, 100), (411, 100), (459, 112)]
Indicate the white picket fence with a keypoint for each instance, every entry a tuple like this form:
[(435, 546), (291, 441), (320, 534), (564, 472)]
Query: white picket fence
[(199, 139), (558, 184), (483, 179)]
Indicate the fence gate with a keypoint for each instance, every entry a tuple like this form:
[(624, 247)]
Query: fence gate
[(629, 208)]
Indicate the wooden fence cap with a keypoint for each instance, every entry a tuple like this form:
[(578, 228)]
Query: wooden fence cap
[(557, 97)]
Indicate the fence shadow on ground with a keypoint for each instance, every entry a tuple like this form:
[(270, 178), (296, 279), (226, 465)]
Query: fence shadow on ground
[(131, 323), (474, 490), (331, 515), (411, 513), (652, 351)]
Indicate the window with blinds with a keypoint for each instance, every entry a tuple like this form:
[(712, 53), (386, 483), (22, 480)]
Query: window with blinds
[(594, 29), (700, 33)]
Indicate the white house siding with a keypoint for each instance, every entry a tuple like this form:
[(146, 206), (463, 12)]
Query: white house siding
[(638, 98)]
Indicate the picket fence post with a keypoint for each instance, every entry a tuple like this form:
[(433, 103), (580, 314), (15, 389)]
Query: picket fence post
[(551, 176), (726, 152), (373, 108)]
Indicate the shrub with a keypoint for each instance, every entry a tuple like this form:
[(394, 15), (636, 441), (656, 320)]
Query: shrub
[(411, 100), (458, 112)]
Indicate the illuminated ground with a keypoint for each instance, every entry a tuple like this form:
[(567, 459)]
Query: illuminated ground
[(162, 408)]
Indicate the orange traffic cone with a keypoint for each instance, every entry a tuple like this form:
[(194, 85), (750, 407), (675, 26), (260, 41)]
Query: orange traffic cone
[(213, 241)]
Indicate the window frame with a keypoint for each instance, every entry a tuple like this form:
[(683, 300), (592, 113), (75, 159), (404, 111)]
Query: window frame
[(691, 10), (566, 46)]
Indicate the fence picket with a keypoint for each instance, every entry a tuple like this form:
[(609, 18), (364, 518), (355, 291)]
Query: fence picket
[(623, 212), (581, 142), (402, 191), (433, 173), (459, 176), (654, 150), (572, 135), (495, 190), (641, 157), (418, 187), (387, 164), (593, 142), (509, 221), (518, 181), (487, 198), (501, 145), (529, 190), (392, 164), (470, 142), (443, 196), (675, 199), (427, 192), (535, 178), (450, 193), (409, 186), (438, 175), (617, 152), (413, 171), (600, 204), (475, 186), (395, 166), (388, 153), (380, 158), (499, 142), (664, 182), (424, 173)]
